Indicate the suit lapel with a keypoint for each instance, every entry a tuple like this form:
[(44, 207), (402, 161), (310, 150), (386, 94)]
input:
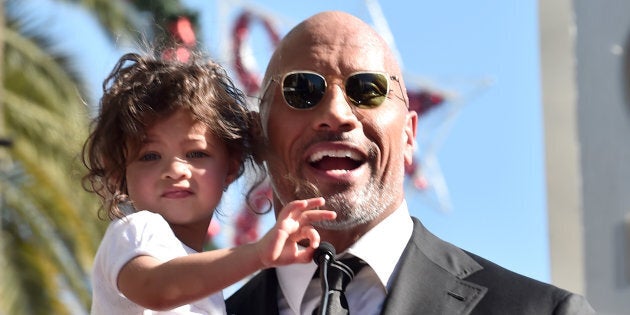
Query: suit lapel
[(257, 297), (429, 278)]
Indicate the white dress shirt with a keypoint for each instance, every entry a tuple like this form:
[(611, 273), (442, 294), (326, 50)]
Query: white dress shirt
[(381, 248)]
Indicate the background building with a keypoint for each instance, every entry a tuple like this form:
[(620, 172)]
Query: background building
[(585, 82)]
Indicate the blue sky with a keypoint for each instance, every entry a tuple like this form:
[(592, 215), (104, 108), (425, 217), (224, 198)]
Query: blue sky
[(488, 138)]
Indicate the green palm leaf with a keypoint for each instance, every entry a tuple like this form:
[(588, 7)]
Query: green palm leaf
[(50, 231)]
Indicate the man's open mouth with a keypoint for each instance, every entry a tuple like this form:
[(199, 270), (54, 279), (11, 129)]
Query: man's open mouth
[(328, 160)]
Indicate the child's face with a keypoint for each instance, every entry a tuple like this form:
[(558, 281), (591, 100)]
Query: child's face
[(180, 172)]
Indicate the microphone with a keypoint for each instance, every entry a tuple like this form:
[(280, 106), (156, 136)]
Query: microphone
[(324, 255), (325, 252)]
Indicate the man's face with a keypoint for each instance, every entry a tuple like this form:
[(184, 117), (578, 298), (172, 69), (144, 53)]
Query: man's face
[(353, 157)]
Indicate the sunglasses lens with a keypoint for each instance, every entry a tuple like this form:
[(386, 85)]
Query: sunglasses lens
[(367, 90), (303, 90)]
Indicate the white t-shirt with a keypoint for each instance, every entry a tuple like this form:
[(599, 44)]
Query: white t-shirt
[(140, 233)]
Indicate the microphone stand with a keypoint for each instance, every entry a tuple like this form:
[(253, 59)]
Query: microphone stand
[(324, 255), (323, 274)]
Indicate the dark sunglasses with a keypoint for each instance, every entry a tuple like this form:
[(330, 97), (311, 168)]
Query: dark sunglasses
[(305, 89)]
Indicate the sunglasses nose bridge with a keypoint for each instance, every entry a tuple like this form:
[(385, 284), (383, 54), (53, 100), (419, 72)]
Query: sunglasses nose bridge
[(339, 99), (334, 110)]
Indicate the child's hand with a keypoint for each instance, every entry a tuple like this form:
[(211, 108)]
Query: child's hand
[(293, 224)]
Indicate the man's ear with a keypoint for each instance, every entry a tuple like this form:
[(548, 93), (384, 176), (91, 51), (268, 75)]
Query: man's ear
[(409, 136)]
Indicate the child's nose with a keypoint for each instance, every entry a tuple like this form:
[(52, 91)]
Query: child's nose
[(177, 169)]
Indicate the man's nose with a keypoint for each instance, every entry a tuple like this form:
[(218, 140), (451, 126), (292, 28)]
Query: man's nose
[(334, 113)]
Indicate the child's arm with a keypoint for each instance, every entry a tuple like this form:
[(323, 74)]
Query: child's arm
[(159, 286)]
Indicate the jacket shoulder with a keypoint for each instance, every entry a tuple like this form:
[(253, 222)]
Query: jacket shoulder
[(513, 293), (257, 296)]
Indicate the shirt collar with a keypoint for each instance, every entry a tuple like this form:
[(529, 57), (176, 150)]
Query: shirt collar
[(382, 246), (293, 281), (390, 238)]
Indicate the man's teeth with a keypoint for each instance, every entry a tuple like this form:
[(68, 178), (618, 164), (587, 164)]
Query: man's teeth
[(335, 153)]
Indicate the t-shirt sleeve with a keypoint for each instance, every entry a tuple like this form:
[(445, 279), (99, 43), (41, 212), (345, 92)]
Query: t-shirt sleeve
[(138, 234)]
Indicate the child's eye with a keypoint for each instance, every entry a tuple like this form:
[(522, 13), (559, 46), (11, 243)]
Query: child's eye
[(196, 154), (151, 156)]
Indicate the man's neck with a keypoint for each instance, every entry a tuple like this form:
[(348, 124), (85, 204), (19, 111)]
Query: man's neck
[(343, 239)]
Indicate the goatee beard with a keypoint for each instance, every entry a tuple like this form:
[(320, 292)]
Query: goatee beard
[(354, 207)]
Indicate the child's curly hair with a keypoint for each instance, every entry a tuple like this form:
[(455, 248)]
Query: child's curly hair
[(143, 89)]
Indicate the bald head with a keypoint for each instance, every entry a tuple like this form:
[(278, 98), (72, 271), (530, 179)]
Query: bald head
[(337, 35)]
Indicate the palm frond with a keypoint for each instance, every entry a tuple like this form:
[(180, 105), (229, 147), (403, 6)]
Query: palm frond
[(50, 230), (118, 17)]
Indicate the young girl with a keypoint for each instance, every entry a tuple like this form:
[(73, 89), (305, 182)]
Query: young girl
[(170, 137)]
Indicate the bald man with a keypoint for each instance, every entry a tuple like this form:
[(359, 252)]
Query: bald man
[(335, 122)]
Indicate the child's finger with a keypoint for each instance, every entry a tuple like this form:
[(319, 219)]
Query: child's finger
[(313, 236), (310, 216), (305, 255), (293, 208), (309, 233)]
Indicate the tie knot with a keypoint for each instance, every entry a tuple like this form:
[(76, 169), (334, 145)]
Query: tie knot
[(342, 271), (339, 274)]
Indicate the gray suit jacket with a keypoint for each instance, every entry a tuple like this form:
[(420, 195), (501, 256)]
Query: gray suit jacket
[(436, 277)]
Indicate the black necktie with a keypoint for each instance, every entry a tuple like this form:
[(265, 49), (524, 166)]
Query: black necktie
[(340, 273)]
